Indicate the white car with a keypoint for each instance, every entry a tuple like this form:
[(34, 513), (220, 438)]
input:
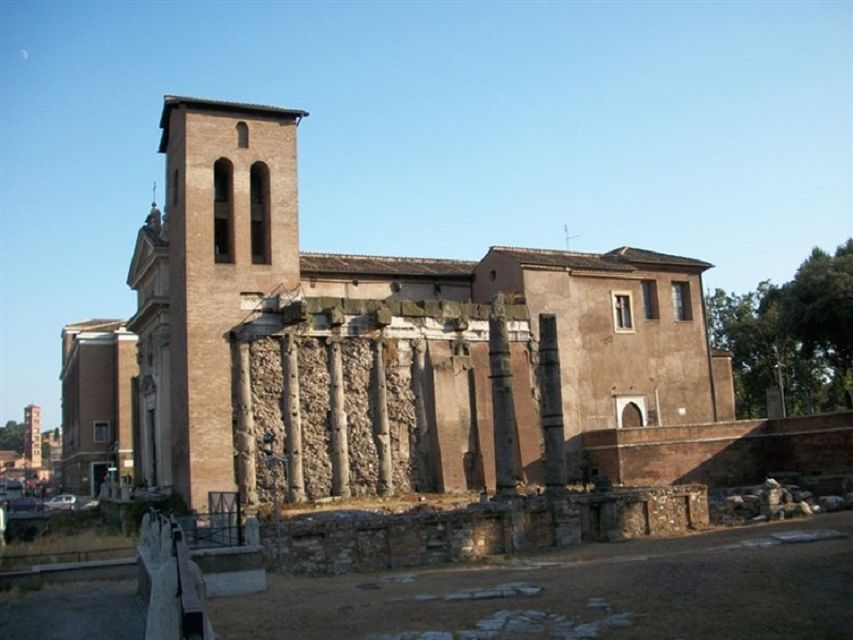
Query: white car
[(64, 501)]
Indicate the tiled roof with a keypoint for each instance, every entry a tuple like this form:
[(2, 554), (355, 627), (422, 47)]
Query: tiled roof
[(170, 102), (563, 259), (643, 256), (620, 260), (96, 324), (384, 265)]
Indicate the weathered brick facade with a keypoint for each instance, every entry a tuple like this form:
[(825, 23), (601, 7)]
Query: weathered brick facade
[(222, 272)]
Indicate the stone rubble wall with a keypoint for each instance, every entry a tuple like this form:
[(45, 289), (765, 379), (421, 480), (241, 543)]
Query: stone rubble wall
[(401, 415), (357, 356), (342, 542), (357, 360), (267, 381), (314, 405), (650, 511)]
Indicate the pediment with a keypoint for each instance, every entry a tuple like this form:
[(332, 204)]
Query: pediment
[(146, 253)]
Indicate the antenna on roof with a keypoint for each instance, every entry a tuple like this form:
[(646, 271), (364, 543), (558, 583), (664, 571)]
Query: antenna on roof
[(154, 195), (568, 237)]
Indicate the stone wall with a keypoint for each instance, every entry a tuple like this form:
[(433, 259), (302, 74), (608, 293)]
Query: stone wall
[(723, 454), (401, 415), (392, 442), (351, 541), (359, 384), (314, 405)]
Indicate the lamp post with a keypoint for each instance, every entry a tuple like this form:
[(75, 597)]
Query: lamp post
[(272, 463)]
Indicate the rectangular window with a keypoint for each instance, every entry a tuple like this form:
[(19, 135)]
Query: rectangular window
[(102, 431), (622, 317), (650, 299), (681, 310)]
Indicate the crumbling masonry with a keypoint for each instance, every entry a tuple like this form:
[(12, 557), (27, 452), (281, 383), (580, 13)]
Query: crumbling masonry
[(351, 392)]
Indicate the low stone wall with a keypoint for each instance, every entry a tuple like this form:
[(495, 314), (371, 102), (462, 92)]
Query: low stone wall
[(635, 513), (723, 454), (353, 541)]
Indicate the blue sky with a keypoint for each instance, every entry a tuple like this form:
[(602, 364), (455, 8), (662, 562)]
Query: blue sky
[(721, 131)]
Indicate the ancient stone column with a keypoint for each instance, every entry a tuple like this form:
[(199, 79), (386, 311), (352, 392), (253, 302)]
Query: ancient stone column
[(380, 423), (552, 404), (503, 408), (338, 420), (247, 477), (292, 418), (425, 479)]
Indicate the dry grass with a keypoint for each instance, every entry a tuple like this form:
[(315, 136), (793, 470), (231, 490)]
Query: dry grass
[(80, 546)]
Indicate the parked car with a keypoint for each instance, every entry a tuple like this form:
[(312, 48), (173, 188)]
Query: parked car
[(62, 502)]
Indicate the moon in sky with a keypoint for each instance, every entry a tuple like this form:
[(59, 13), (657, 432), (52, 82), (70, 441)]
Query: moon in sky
[(25, 54)]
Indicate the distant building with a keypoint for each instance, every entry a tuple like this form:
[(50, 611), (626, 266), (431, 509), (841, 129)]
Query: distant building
[(32, 435), (98, 367)]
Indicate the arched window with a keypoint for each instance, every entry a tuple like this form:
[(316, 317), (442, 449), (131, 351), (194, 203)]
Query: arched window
[(260, 197), (222, 211), (242, 135)]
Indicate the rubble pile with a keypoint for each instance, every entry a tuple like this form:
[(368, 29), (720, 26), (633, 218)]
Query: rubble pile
[(771, 500)]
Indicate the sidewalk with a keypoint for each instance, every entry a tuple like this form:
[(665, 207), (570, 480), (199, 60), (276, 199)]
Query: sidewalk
[(98, 610)]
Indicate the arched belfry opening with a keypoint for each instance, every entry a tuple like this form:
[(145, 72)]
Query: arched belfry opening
[(223, 212), (260, 198)]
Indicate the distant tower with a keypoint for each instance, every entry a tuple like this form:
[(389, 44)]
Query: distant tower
[(32, 435)]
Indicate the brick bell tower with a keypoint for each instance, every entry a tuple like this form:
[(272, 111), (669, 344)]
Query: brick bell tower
[(231, 176)]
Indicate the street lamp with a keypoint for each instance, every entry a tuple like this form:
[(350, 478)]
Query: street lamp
[(272, 464)]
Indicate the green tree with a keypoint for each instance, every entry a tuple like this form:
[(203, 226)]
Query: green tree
[(12, 437), (817, 310), (752, 327)]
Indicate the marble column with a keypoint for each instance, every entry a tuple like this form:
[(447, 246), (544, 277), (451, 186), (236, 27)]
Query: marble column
[(423, 444), (552, 405), (338, 420), (246, 448), (292, 418), (380, 422), (503, 407)]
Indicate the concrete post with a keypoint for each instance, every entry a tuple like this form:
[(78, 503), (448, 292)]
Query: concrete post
[(425, 477), (503, 408), (552, 405), (338, 420), (292, 418), (247, 474), (380, 423)]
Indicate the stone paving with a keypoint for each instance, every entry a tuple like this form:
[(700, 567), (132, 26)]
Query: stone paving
[(525, 624), (529, 624)]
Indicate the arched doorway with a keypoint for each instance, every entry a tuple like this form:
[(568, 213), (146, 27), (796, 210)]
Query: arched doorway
[(632, 416)]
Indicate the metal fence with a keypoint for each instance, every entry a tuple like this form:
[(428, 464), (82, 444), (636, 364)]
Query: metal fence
[(219, 527)]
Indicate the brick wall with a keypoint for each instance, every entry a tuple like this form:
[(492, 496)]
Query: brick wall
[(723, 454)]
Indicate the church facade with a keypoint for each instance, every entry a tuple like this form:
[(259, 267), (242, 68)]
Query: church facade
[(347, 375)]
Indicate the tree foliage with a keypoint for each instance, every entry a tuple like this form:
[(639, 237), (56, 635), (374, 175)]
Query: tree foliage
[(12, 437), (800, 334)]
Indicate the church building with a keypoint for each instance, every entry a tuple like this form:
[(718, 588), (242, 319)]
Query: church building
[(349, 375)]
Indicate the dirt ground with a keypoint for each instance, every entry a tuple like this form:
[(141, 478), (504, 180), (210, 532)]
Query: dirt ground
[(723, 584)]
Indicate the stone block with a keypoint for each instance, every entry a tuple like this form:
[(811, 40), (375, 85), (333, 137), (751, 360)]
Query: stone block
[(409, 309)]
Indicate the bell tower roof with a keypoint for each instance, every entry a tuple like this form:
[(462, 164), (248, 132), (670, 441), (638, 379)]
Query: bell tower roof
[(203, 104)]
